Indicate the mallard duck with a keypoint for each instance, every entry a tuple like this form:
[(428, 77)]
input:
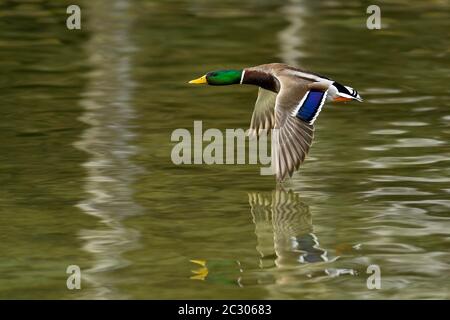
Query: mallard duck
[(289, 99)]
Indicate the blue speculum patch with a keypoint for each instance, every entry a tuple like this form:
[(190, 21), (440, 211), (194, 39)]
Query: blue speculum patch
[(311, 105)]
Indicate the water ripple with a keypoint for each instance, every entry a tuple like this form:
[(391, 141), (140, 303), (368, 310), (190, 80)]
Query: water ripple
[(388, 132), (394, 191), (407, 143), (380, 91), (409, 123), (392, 162), (423, 109), (400, 100), (388, 178)]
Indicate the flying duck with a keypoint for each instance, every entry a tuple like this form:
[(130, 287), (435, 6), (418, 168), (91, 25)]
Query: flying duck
[(289, 100)]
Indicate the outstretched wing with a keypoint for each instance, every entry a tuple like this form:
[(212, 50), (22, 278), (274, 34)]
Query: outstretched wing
[(263, 117), (297, 105)]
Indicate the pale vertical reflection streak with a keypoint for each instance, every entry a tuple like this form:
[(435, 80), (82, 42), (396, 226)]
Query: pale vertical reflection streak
[(281, 204), (290, 37), (281, 215), (109, 143)]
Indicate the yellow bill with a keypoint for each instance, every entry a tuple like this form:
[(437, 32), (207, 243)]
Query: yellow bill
[(201, 80), (200, 262)]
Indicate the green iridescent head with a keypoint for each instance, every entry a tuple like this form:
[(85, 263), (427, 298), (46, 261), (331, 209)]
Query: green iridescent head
[(220, 78)]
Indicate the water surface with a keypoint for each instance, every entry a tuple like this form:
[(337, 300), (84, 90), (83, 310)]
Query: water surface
[(85, 148)]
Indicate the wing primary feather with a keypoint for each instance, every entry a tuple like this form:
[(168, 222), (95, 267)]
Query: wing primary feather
[(263, 114), (291, 113)]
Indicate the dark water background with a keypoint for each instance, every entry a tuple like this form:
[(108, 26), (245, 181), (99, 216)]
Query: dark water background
[(86, 175)]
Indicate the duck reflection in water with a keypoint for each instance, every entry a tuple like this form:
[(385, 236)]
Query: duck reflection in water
[(285, 238), (284, 230)]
